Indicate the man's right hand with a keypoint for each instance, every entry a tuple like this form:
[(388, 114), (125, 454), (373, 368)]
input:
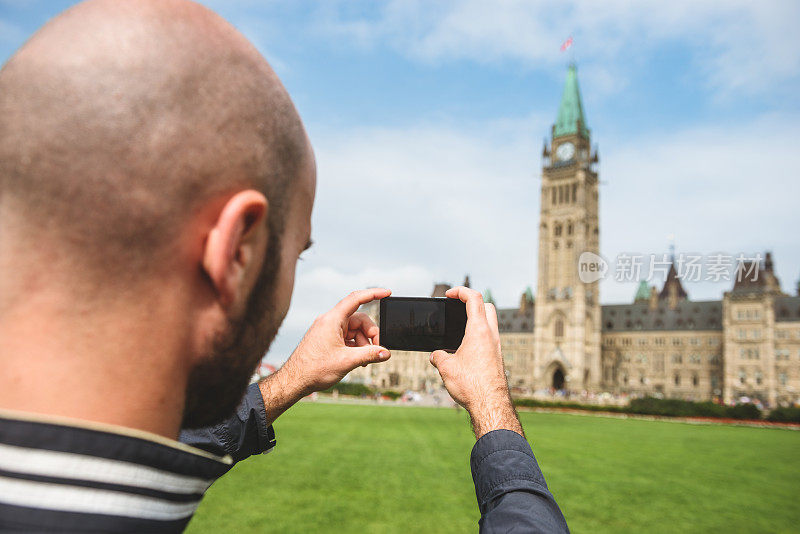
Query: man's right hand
[(474, 375)]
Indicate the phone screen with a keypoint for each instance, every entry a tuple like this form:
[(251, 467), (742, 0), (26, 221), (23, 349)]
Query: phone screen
[(422, 324)]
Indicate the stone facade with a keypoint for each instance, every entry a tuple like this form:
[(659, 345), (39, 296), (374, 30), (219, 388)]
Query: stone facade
[(663, 343)]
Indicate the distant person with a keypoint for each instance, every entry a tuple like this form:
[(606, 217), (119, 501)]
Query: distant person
[(156, 187)]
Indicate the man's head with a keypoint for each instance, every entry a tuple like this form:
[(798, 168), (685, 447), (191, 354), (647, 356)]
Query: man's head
[(146, 146)]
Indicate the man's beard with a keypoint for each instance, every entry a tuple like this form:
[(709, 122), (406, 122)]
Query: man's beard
[(217, 384)]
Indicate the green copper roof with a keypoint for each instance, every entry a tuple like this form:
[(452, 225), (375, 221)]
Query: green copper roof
[(487, 296), (642, 292), (571, 109), (529, 293)]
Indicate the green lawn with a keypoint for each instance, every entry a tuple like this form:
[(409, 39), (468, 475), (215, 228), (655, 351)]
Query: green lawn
[(340, 468)]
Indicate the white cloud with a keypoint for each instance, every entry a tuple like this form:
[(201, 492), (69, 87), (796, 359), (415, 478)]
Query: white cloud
[(406, 208), (737, 45)]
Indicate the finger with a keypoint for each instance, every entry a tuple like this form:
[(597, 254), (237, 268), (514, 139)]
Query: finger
[(491, 316), (368, 354), (362, 321), (361, 340), (348, 305), (473, 300), (437, 357)]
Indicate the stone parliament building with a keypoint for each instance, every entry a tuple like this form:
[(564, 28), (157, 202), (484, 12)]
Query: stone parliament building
[(662, 343)]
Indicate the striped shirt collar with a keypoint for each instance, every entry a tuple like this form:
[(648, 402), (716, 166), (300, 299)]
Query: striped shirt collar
[(58, 474)]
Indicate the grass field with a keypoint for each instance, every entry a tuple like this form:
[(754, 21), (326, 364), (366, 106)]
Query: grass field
[(342, 468)]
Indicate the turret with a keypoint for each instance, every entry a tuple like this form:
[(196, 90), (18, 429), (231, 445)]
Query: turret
[(526, 301), (642, 292)]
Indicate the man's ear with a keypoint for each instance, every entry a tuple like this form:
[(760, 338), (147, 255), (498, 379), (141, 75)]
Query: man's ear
[(235, 246)]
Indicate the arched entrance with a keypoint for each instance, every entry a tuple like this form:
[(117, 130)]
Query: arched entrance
[(558, 379)]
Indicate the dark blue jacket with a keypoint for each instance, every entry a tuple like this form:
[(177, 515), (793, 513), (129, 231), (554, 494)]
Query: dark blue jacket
[(512, 494)]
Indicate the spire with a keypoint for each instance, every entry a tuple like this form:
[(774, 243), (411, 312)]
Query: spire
[(570, 113), (642, 292), (487, 296), (673, 289)]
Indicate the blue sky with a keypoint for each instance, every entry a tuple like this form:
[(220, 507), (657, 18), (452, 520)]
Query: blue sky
[(428, 120)]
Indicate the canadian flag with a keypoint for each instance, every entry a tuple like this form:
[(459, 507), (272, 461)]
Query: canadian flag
[(566, 44)]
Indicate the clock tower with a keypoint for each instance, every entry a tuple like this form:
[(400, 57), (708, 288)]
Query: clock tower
[(567, 311)]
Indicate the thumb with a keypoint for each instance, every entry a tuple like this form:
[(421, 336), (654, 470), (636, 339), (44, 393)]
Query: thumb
[(368, 354), (437, 357)]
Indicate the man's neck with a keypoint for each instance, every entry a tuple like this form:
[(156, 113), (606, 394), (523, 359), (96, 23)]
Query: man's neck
[(116, 365)]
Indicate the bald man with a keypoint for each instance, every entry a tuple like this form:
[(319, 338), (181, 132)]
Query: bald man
[(156, 187)]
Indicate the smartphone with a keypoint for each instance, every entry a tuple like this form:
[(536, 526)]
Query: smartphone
[(422, 323)]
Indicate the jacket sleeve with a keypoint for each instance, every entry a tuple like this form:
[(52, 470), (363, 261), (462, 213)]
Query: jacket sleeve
[(243, 434), (512, 494)]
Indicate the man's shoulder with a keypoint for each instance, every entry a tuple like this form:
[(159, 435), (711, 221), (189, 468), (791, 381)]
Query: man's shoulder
[(59, 475)]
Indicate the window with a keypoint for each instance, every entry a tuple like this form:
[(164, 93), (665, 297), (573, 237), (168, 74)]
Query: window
[(742, 376), (695, 341), (677, 358), (660, 341), (642, 340), (625, 379), (756, 333), (574, 192), (759, 377), (557, 229), (695, 380), (641, 358), (676, 341), (570, 228), (553, 189), (741, 333), (694, 358), (642, 380), (782, 378), (677, 379), (559, 328)]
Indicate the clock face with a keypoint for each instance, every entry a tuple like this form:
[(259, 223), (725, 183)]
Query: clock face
[(565, 151)]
